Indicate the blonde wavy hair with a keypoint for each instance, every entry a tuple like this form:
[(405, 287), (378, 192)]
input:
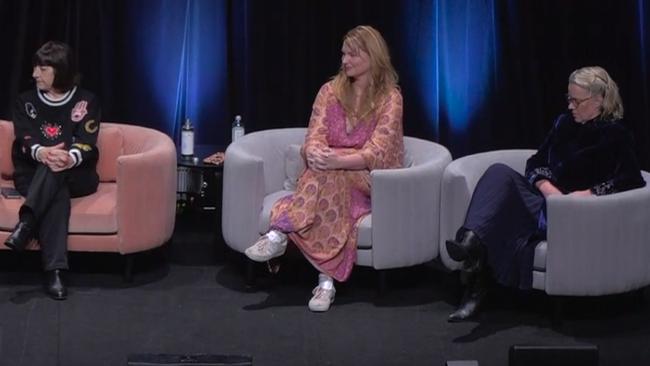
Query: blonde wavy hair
[(598, 82), (383, 78)]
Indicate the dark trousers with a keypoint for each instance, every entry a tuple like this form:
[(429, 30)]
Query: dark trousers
[(47, 203), (505, 214)]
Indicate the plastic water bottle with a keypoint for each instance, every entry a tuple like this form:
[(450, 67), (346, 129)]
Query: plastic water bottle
[(187, 139), (237, 128)]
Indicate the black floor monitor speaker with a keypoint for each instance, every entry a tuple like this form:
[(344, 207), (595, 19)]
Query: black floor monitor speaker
[(462, 363), (537, 355), (191, 360)]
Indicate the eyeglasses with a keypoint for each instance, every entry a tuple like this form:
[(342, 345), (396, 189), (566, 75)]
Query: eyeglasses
[(575, 101)]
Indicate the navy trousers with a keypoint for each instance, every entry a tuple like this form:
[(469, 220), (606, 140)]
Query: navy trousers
[(506, 212)]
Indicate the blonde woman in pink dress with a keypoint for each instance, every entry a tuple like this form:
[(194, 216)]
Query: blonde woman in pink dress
[(355, 127)]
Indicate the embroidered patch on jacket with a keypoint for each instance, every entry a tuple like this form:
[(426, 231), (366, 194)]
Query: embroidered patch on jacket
[(30, 110), (51, 131), (543, 171), (79, 111), (91, 126), (604, 188), (84, 147)]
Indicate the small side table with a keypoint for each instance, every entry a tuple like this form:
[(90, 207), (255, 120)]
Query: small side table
[(198, 183), (197, 236)]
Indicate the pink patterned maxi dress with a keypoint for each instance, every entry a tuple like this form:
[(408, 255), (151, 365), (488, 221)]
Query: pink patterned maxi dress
[(323, 215)]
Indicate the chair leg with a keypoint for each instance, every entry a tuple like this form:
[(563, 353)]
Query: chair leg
[(559, 309), (129, 262), (382, 281), (250, 274), (640, 295)]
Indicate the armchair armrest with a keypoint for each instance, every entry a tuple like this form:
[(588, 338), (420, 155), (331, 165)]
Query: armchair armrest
[(455, 196), (458, 183), (598, 245), (405, 213), (146, 197), (243, 195)]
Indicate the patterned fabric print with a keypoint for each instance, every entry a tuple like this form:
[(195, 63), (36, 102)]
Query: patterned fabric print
[(322, 216), (79, 111)]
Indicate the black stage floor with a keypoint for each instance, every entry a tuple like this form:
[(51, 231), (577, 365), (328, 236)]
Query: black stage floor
[(189, 298)]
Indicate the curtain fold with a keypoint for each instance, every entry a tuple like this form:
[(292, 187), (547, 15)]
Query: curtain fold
[(475, 75)]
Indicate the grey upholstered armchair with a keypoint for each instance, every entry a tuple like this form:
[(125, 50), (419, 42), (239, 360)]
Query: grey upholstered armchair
[(402, 229), (595, 245)]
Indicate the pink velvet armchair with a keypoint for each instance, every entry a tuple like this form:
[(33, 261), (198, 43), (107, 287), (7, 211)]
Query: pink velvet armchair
[(134, 207)]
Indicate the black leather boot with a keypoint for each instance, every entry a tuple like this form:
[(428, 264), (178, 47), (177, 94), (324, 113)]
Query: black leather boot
[(54, 285), (467, 246), (473, 297), (20, 237)]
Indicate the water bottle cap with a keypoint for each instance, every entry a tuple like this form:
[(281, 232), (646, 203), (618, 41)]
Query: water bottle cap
[(237, 118)]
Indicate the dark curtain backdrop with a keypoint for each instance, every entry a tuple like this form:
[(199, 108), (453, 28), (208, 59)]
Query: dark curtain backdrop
[(476, 75)]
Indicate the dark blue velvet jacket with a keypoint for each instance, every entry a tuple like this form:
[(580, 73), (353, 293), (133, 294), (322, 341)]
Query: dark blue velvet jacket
[(597, 155)]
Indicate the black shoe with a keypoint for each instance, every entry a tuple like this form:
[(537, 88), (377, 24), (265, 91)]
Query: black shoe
[(466, 246), (472, 299), (20, 237), (54, 286)]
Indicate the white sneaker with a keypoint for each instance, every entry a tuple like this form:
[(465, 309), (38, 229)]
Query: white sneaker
[(268, 246), (322, 299)]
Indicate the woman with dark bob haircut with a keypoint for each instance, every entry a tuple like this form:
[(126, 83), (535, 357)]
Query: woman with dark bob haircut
[(54, 155)]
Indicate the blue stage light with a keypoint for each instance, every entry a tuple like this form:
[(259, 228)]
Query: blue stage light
[(456, 57), (642, 34), (182, 52)]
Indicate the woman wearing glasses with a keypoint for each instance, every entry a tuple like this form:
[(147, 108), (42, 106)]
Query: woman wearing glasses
[(587, 152)]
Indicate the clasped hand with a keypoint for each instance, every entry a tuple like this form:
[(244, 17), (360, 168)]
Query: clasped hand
[(321, 159), (55, 157)]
